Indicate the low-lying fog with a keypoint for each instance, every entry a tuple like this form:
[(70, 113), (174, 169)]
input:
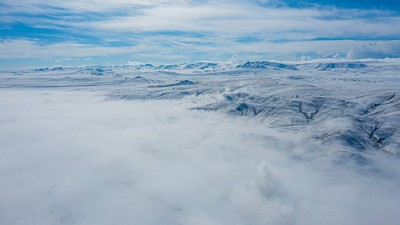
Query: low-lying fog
[(82, 158)]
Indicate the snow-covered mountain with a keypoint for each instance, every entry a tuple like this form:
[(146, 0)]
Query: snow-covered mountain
[(266, 65)]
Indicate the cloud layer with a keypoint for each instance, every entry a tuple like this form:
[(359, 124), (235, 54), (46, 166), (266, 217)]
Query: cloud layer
[(77, 158)]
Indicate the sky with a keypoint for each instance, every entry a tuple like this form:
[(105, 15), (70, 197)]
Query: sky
[(36, 33)]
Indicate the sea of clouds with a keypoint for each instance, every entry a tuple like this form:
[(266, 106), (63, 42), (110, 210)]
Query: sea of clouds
[(82, 158)]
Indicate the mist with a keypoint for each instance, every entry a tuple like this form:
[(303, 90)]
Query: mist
[(79, 157)]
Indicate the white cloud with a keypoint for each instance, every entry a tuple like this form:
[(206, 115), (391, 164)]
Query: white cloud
[(239, 19), (77, 158), (161, 49)]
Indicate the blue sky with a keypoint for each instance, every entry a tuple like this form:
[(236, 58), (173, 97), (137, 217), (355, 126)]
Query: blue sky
[(35, 33)]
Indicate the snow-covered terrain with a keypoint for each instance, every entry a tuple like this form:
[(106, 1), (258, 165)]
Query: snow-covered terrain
[(314, 142)]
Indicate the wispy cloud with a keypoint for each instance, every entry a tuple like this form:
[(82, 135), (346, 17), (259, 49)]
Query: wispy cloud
[(31, 49), (271, 23), (164, 50)]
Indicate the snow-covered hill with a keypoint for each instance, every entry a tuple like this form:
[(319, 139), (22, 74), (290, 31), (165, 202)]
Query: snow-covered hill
[(202, 143)]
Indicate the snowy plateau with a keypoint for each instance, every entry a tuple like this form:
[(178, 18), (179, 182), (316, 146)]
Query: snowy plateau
[(280, 143)]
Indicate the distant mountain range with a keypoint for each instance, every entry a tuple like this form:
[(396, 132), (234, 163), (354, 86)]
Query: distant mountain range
[(216, 67)]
